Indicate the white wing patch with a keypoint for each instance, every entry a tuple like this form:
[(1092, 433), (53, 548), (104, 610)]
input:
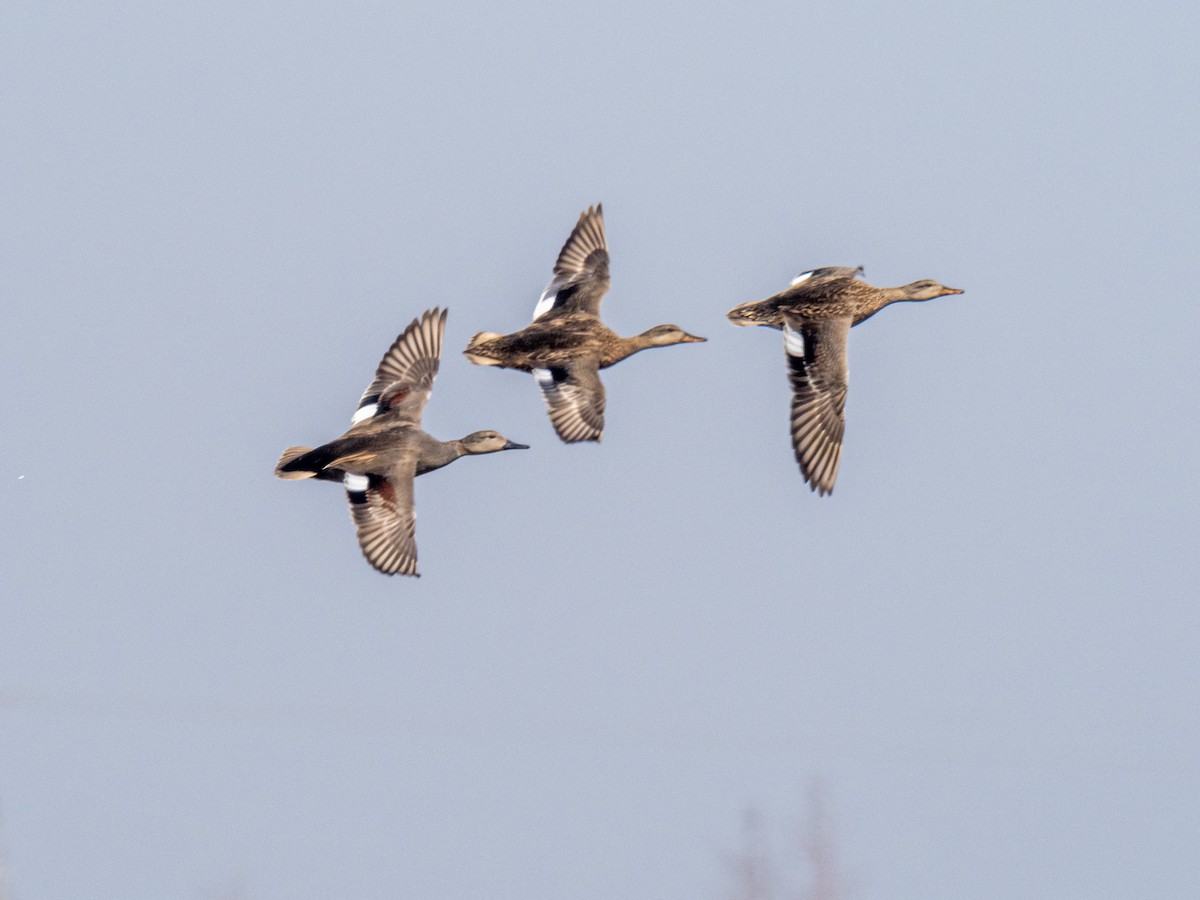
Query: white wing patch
[(543, 378), (793, 341), (803, 276), (356, 484), (364, 412), (546, 301)]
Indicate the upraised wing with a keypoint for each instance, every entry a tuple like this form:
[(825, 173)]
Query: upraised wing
[(581, 271), (826, 273), (405, 375)]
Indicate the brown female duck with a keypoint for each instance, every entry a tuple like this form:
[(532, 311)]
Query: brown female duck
[(386, 448), (815, 314), (567, 345)]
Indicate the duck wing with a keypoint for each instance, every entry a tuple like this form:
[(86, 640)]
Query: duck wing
[(826, 273), (405, 375), (381, 507), (581, 271), (574, 395), (816, 358)]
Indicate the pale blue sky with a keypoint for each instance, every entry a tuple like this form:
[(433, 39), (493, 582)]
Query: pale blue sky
[(983, 645)]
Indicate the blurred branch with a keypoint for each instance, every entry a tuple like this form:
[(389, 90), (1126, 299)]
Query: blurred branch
[(813, 875)]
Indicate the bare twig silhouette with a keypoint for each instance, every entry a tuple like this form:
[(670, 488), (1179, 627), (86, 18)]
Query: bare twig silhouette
[(813, 875)]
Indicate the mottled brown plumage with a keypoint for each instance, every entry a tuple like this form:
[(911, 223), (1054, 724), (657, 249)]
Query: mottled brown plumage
[(816, 313), (566, 345), (558, 339)]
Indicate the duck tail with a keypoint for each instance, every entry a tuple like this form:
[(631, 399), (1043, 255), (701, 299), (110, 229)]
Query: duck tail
[(744, 313), (478, 352), (292, 465)]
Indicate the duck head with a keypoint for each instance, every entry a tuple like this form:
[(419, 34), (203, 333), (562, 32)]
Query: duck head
[(927, 289), (489, 442), (665, 335)]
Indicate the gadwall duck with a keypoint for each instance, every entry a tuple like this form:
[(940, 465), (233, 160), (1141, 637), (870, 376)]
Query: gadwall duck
[(567, 345), (815, 314), (385, 448)]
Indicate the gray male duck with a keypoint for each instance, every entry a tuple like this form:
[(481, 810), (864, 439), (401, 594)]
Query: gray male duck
[(816, 313), (385, 448), (567, 345)]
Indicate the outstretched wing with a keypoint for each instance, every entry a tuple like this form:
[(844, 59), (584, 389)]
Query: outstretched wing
[(816, 357), (575, 397), (581, 271), (385, 519), (405, 375)]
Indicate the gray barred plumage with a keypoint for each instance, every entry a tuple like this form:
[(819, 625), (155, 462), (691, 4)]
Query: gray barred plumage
[(386, 448)]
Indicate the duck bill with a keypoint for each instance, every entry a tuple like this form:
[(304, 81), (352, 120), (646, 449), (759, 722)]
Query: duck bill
[(948, 291), (692, 339), (513, 445)]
